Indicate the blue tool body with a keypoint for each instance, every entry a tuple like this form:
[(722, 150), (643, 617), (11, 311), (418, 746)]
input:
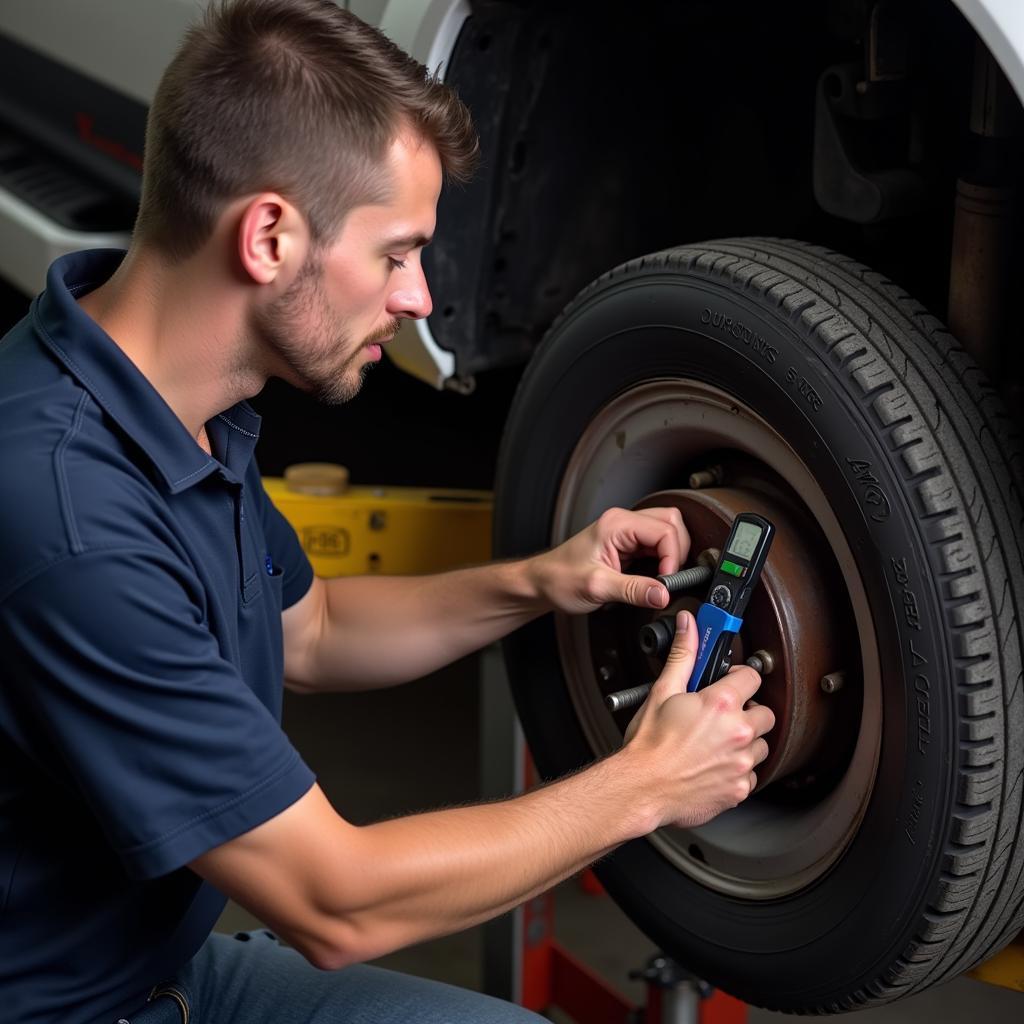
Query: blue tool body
[(712, 622)]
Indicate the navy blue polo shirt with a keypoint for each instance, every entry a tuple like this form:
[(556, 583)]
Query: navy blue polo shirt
[(141, 589)]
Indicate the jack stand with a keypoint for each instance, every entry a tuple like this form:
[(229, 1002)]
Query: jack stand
[(676, 996)]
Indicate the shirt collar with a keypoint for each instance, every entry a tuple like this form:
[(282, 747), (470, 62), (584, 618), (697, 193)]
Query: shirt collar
[(117, 385)]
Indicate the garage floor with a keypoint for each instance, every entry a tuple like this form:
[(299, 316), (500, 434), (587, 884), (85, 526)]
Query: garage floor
[(416, 747)]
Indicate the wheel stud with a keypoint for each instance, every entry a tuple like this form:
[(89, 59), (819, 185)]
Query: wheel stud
[(686, 578), (624, 700), (710, 477), (762, 662), (833, 682)]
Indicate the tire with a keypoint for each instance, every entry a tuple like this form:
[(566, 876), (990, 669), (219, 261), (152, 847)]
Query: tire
[(918, 465)]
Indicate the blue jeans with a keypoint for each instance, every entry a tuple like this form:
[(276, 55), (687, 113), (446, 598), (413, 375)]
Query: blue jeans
[(252, 979)]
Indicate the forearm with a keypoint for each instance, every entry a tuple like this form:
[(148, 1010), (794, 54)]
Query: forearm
[(384, 886), (466, 865), (374, 631), (380, 630), (341, 893)]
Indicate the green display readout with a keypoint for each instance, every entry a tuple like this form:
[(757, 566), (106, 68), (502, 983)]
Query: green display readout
[(732, 568), (744, 540)]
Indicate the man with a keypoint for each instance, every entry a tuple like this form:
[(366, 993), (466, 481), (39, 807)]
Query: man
[(293, 164)]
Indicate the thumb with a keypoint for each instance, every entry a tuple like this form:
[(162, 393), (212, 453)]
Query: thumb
[(623, 588), (681, 657)]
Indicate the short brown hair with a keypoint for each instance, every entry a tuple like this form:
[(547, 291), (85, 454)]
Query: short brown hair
[(294, 96)]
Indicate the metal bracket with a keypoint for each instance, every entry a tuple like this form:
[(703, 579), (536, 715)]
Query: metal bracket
[(853, 114)]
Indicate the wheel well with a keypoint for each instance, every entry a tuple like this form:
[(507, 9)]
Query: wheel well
[(606, 138)]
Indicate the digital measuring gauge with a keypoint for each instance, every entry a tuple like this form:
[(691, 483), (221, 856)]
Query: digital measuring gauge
[(719, 618)]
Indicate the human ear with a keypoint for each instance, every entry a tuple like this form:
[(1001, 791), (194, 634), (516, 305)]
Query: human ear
[(272, 239)]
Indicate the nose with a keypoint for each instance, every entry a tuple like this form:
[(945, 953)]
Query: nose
[(412, 298)]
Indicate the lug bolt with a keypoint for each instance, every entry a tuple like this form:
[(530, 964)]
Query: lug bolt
[(762, 662), (707, 477), (833, 682)]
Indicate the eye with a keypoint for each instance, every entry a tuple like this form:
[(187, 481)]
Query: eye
[(396, 264)]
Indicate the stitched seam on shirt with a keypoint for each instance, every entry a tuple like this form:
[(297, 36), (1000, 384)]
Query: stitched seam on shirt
[(84, 286), (96, 391), (235, 426), (67, 509), (219, 809), (23, 579), (188, 476), (41, 327)]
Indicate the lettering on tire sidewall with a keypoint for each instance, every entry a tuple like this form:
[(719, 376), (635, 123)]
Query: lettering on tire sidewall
[(765, 349), (741, 331), (917, 623)]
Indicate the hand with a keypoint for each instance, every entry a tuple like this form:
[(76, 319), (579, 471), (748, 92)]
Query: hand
[(698, 750), (586, 571)]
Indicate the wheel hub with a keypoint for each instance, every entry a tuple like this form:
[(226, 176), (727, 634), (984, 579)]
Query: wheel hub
[(811, 612), (793, 615)]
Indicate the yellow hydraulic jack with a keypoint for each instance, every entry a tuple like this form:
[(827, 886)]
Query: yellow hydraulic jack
[(1005, 968), (350, 530)]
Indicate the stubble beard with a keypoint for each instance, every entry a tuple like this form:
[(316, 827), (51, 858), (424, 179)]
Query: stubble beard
[(329, 370)]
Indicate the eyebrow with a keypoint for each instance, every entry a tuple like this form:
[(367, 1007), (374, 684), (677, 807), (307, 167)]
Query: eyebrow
[(407, 242)]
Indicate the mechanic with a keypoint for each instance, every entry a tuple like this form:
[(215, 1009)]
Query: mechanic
[(153, 602)]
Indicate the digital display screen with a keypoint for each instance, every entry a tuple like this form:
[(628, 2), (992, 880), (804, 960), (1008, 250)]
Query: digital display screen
[(744, 540)]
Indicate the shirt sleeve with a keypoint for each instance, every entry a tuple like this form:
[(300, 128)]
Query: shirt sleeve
[(121, 692), (285, 550)]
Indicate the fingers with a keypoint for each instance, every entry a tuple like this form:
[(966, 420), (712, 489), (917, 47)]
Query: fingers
[(679, 662), (761, 718), (731, 693), (759, 748), (675, 544), (606, 586), (744, 680), (621, 534), (658, 531)]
